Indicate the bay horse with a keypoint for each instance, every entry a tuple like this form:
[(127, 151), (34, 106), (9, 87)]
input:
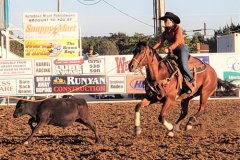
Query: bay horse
[(163, 84)]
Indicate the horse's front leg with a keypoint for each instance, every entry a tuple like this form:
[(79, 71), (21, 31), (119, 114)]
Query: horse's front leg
[(183, 114), (165, 109), (143, 103)]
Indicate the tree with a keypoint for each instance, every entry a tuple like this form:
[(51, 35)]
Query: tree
[(107, 47)]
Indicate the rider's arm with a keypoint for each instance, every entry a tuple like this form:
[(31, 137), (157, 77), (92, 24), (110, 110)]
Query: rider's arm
[(179, 38), (160, 42)]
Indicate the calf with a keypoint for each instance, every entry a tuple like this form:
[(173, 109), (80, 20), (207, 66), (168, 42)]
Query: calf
[(59, 112)]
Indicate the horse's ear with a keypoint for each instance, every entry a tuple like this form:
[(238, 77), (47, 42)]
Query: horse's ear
[(147, 43)]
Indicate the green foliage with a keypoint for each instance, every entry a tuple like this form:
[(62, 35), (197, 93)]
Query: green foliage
[(116, 43), (17, 48)]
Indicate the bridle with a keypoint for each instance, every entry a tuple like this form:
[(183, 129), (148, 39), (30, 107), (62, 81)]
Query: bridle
[(139, 62)]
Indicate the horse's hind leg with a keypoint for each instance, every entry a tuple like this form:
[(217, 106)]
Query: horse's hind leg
[(193, 120), (143, 103)]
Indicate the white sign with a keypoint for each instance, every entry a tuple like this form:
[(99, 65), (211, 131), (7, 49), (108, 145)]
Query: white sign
[(118, 64), (57, 25), (94, 66), (78, 66), (16, 67), (116, 84), (43, 66), (25, 87), (7, 87)]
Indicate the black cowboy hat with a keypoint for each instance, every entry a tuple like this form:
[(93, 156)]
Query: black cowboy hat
[(171, 16)]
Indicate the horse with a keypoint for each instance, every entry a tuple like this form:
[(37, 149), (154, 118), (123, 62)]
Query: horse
[(164, 84)]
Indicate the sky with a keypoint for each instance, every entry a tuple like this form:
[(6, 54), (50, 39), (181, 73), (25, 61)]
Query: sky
[(102, 17)]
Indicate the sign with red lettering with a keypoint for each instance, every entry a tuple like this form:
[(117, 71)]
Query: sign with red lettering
[(118, 64), (16, 67), (79, 84), (77, 66)]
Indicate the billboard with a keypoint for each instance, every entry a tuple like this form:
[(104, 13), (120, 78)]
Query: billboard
[(227, 67), (50, 35), (79, 84), (16, 67)]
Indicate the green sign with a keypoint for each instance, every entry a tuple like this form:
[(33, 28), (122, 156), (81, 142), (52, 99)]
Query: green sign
[(232, 76)]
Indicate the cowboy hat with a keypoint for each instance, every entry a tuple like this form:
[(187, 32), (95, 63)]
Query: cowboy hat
[(171, 16)]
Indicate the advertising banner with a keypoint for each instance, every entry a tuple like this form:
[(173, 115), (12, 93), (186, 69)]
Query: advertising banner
[(78, 66), (43, 84), (135, 84), (51, 48), (16, 87), (7, 87), (16, 67), (25, 86), (79, 84), (94, 66), (43, 67), (51, 35), (116, 84), (118, 64), (227, 67), (202, 58)]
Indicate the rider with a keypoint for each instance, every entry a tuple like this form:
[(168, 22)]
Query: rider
[(173, 35)]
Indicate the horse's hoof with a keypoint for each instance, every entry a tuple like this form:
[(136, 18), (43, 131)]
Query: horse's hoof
[(169, 126), (137, 131), (176, 128), (26, 143), (170, 134), (98, 140), (189, 127)]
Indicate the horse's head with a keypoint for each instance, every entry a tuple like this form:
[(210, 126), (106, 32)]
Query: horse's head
[(142, 54)]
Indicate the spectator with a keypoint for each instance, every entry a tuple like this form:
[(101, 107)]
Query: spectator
[(90, 53)]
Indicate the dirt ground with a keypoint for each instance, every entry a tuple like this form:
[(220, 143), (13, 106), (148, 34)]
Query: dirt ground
[(218, 136)]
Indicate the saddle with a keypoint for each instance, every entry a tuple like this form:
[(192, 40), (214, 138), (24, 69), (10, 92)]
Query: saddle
[(158, 89), (195, 65)]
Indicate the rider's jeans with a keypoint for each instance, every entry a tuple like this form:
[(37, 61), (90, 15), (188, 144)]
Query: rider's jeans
[(182, 53)]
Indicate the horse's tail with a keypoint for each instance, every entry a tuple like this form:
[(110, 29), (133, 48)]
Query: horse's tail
[(228, 86)]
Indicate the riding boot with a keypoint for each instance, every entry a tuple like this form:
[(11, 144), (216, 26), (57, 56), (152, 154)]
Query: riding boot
[(190, 85)]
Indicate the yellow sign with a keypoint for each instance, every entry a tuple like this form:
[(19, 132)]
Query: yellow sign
[(51, 48), (51, 35)]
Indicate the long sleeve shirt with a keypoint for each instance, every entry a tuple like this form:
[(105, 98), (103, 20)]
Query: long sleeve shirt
[(174, 36)]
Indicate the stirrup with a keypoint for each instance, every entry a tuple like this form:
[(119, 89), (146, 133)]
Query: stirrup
[(192, 80), (189, 91)]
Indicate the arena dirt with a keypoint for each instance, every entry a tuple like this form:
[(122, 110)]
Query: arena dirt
[(216, 137)]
